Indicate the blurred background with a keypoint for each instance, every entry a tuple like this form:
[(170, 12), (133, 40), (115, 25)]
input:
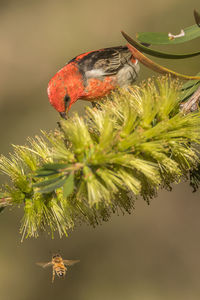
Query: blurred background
[(152, 253)]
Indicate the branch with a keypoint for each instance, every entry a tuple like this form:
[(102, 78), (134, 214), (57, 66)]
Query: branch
[(133, 145), (193, 103)]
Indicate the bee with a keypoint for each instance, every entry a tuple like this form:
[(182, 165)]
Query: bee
[(59, 265)]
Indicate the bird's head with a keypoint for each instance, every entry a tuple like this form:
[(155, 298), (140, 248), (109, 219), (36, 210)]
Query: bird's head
[(58, 94), (65, 88)]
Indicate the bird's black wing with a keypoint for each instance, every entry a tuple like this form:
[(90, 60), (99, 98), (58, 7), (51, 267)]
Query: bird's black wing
[(104, 62)]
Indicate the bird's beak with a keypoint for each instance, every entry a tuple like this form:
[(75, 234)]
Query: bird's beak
[(63, 115)]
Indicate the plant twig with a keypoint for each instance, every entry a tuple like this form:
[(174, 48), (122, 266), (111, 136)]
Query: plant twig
[(134, 144), (192, 103)]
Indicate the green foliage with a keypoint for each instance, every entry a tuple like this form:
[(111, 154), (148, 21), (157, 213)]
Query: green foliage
[(157, 38), (189, 34), (195, 178), (189, 88), (147, 39), (132, 145)]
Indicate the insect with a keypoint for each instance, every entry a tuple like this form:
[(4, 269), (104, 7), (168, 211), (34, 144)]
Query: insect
[(59, 265)]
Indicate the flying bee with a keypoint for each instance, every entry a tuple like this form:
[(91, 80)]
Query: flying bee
[(59, 265)]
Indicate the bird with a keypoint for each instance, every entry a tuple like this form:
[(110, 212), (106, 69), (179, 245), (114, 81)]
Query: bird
[(91, 76)]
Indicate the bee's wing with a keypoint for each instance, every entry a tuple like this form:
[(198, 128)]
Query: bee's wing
[(70, 262), (44, 265)]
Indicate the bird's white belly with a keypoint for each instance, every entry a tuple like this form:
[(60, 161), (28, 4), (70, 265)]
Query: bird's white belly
[(128, 74)]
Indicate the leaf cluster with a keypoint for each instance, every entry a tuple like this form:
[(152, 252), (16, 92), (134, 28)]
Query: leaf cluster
[(134, 144)]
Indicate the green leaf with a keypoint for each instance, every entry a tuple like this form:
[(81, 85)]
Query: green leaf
[(154, 38), (50, 169), (47, 182), (53, 186), (45, 173), (54, 166), (1, 209), (190, 83), (156, 67), (68, 186), (156, 53), (189, 88), (190, 91)]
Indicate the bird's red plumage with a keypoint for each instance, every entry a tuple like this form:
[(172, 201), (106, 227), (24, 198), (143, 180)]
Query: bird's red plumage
[(92, 75), (69, 81)]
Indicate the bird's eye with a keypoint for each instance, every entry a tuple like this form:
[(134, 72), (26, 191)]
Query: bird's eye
[(67, 101)]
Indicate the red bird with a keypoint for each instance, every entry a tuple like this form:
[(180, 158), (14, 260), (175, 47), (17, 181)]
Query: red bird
[(92, 75)]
